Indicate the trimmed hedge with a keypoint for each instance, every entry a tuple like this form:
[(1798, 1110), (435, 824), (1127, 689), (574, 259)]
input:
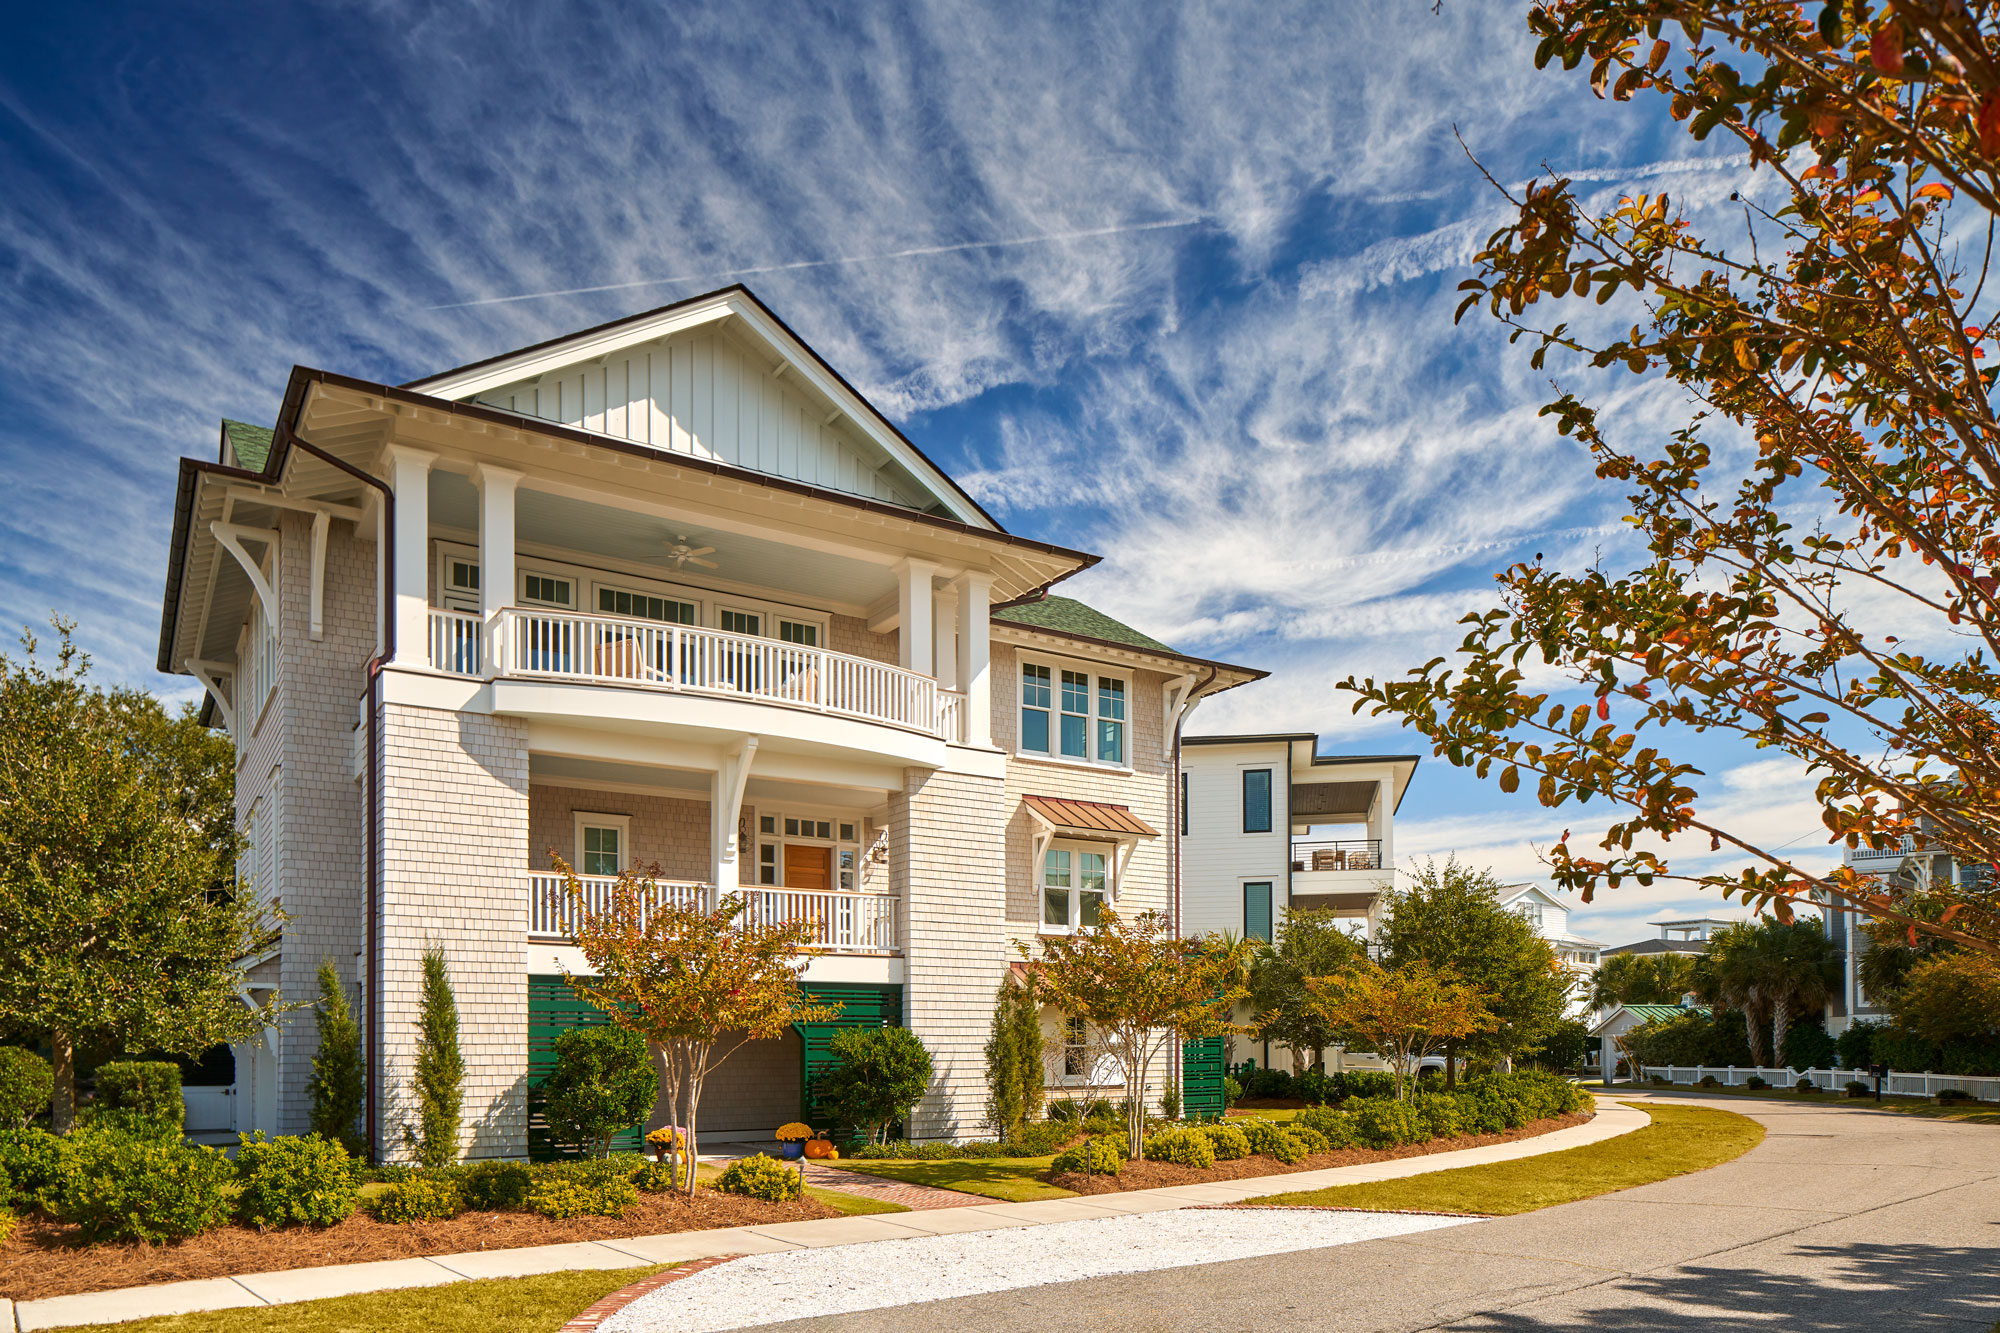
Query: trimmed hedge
[(32, 1159), (428, 1197), (568, 1194)]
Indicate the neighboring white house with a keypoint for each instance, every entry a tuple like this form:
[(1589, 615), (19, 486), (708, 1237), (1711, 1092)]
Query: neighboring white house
[(1620, 1019), (1549, 916), (1270, 826), (666, 591)]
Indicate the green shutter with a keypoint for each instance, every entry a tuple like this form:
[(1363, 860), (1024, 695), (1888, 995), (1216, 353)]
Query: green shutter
[(1201, 1077), (860, 1006), (552, 1010)]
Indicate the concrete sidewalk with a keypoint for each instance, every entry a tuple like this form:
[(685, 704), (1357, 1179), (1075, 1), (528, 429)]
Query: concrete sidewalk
[(311, 1284)]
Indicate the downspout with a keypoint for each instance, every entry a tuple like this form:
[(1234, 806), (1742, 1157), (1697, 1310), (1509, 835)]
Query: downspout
[(373, 1010), (1180, 817)]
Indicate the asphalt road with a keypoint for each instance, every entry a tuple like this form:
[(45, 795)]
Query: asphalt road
[(1841, 1221)]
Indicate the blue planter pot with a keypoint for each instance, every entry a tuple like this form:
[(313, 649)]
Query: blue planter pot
[(791, 1152)]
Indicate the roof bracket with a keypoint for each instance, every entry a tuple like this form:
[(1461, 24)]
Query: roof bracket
[(232, 537), (210, 675), (320, 525)]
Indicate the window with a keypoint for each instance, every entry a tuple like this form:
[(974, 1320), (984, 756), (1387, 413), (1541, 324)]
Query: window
[(461, 583), (799, 632), (740, 622), (1184, 789), (1076, 1049), (548, 590), (1257, 912), (257, 661), (1035, 708), (767, 862), (1073, 889), (1072, 714), (603, 843), (643, 606), (1531, 913), (1256, 800)]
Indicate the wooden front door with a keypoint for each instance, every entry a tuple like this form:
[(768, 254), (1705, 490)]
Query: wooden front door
[(808, 868)]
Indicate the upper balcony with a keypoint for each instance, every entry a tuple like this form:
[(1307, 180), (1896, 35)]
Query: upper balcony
[(532, 644), (1345, 874)]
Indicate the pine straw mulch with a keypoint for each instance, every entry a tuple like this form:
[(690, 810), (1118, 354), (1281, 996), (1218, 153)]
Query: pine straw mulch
[(43, 1259), (1143, 1175)]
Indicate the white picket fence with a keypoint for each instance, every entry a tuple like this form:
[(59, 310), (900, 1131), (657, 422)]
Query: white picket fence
[(1987, 1089)]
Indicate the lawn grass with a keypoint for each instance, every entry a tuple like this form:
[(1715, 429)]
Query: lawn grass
[(1680, 1139), (1015, 1179), (500, 1305), (1972, 1113), (853, 1205)]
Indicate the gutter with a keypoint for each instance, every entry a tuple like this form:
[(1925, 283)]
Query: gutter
[(1176, 1072), (284, 438)]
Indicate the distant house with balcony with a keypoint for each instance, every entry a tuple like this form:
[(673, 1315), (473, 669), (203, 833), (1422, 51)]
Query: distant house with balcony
[(1269, 826), (1915, 862), (1549, 915), (667, 592)]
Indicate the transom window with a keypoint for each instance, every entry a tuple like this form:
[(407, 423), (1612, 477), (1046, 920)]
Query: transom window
[(799, 632), (1073, 713), (603, 843), (739, 622), (548, 590), (642, 606), (1073, 887), (775, 831)]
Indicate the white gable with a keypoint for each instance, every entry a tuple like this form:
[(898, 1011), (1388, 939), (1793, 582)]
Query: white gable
[(716, 378), (1554, 915)]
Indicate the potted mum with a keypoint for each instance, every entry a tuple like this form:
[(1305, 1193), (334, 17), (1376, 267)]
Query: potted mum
[(666, 1139), (792, 1140)]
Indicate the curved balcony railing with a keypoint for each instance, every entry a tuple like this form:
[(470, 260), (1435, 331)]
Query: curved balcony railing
[(617, 650), (841, 922)]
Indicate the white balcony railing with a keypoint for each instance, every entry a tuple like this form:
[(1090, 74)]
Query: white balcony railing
[(615, 650), (456, 642), (842, 922), (1896, 851)]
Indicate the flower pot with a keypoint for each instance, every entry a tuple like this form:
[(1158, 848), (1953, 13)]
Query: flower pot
[(791, 1152)]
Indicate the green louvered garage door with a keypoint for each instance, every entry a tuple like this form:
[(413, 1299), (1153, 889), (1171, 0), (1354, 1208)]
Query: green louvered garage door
[(552, 1010), (860, 1006), (1201, 1077)]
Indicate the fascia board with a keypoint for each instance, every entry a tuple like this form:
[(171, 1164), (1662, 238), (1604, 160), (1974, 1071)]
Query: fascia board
[(536, 362)]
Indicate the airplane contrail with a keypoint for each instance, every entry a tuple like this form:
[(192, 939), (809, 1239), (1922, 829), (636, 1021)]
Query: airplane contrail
[(914, 253)]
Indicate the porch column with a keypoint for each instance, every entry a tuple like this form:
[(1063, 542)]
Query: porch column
[(496, 555), (944, 638), (1382, 823), (913, 605), (410, 478), (975, 641), (725, 807)]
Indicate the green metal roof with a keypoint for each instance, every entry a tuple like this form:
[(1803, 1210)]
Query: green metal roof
[(1653, 1013), (251, 444), (1066, 615)]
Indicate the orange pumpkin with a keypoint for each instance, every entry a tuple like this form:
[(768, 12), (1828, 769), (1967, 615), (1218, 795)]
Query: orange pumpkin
[(818, 1148)]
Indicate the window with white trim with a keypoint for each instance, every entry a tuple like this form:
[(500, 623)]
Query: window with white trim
[(803, 633), (1076, 1048), (258, 666), (539, 589), (1074, 713), (603, 843), (1531, 912), (645, 606), (1075, 883)]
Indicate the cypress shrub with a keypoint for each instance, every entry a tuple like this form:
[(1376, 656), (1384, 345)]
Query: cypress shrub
[(336, 1086), (440, 1071), (1015, 1078)]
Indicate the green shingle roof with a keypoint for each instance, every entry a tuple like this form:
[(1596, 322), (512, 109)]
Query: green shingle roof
[(1066, 615), (251, 444)]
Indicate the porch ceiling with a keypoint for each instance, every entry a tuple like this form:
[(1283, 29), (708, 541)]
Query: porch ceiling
[(565, 523), (690, 784)]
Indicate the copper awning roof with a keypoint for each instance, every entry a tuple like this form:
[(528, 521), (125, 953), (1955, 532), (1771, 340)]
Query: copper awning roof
[(1088, 818)]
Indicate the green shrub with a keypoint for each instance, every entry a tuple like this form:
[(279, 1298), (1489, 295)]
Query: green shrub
[(496, 1187), (1807, 1046), (1443, 1115), (1039, 1138), (143, 1187), (1755, 1081), (1312, 1139), (1232, 1091), (1336, 1127), (1710, 1081), (6, 1190), (567, 1194), (1946, 1096), (878, 1075), (1905, 1052), (1092, 1157), (148, 1089), (1275, 1084), (1230, 1143), (762, 1177), (603, 1084), (439, 1077), (1290, 1148), (336, 1086), (1365, 1083), (1261, 1135), (1182, 1146), (26, 1082), (7, 1224), (1315, 1087), (32, 1159), (420, 1198), (295, 1182), (1170, 1102), (1856, 1088), (658, 1177), (1381, 1123), (1856, 1043)]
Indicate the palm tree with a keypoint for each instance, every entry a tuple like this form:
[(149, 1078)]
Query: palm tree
[(1737, 964), (1631, 978), (1802, 964)]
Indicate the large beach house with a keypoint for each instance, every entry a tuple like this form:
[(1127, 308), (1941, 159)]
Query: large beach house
[(669, 592)]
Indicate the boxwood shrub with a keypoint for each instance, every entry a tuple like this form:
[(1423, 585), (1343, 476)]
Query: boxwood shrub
[(1382, 1123), (118, 1186), (1336, 1127), (493, 1187), (578, 1194), (32, 1159), (1230, 1143), (1182, 1145), (762, 1177), (290, 1181), (1314, 1141), (1092, 1157), (419, 1198)]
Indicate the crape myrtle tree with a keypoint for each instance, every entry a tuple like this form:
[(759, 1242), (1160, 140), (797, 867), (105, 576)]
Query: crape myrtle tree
[(1311, 943), (1822, 538), (120, 927), (1144, 991), (697, 983), (1450, 917), (1405, 1013)]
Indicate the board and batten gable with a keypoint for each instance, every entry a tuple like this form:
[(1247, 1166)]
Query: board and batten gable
[(703, 393), (1217, 856)]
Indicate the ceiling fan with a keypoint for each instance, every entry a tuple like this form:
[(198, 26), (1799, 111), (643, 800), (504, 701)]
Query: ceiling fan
[(682, 555)]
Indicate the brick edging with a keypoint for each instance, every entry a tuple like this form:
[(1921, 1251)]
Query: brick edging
[(588, 1321), (1329, 1208)]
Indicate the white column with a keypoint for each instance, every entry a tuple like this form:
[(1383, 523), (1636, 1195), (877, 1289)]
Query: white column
[(975, 640), (496, 554), (410, 477), (913, 606), (944, 638), (1382, 822)]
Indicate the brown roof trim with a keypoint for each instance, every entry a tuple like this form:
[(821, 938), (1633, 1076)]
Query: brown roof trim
[(736, 289), (1252, 738), (1090, 816), (170, 600), (1252, 673)]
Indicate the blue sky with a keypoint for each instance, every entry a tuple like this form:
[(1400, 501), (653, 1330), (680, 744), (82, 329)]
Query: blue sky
[(1174, 285)]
